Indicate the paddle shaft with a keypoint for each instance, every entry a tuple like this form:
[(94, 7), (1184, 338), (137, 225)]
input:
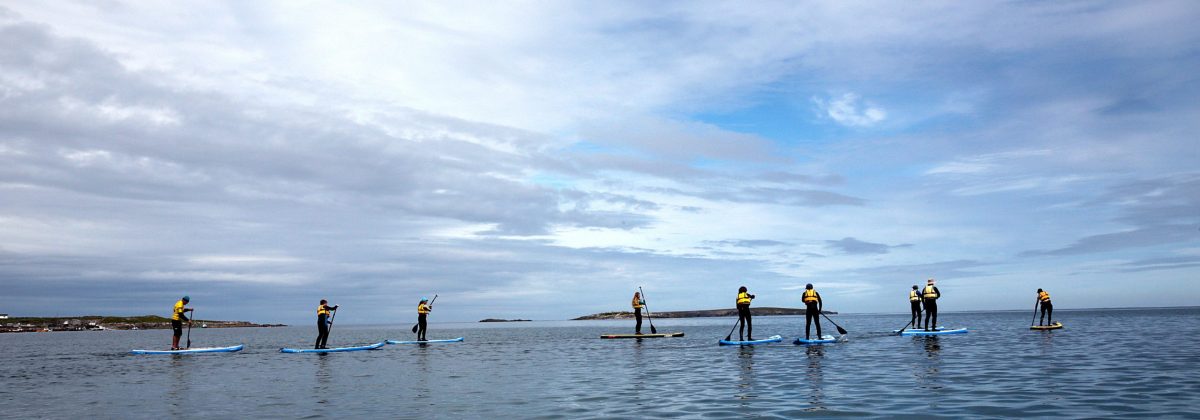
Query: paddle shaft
[(1035, 308), (648, 318), (841, 330), (906, 326), (331, 318), (414, 328), (189, 336), (735, 325)]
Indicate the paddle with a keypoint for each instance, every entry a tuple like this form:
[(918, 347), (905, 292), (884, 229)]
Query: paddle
[(841, 330), (905, 327), (1035, 305), (652, 329), (331, 318), (729, 336), (414, 328), (189, 337)]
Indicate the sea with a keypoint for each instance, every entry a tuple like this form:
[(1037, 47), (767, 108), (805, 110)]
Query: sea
[(1113, 363)]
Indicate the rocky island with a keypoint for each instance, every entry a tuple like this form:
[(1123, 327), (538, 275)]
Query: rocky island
[(101, 323), (763, 311)]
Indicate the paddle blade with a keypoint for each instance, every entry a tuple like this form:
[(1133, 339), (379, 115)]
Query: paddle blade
[(841, 330), (653, 330), (414, 328)]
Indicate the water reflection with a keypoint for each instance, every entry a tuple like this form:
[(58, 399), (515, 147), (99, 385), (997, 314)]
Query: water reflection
[(324, 374), (745, 373), (180, 386), (928, 375), (815, 378)]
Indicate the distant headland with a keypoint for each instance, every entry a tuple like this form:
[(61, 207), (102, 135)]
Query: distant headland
[(102, 323), (503, 320), (763, 311)]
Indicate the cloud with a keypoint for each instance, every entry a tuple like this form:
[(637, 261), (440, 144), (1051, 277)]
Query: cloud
[(850, 110), (853, 246)]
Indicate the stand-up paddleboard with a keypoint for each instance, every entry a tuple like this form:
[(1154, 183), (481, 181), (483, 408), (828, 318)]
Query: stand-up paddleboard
[(335, 350), (678, 334), (1054, 326), (449, 340), (826, 339), (942, 332), (229, 349), (771, 339), (909, 329)]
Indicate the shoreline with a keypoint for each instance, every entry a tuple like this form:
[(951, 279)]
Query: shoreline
[(104, 323)]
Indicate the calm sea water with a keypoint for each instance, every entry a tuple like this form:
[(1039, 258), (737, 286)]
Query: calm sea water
[(1116, 363)]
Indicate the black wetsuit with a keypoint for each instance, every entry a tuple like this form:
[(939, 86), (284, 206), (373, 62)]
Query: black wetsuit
[(916, 313), (637, 313), (812, 313), (1047, 311), (931, 309), (322, 331), (421, 326), (744, 319)]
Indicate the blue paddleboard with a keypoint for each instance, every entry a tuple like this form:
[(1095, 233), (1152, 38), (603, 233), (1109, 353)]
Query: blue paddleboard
[(942, 332), (229, 349), (908, 329), (771, 339), (335, 350), (450, 340), (823, 340)]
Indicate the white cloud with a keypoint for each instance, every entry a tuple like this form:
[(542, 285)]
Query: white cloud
[(850, 110)]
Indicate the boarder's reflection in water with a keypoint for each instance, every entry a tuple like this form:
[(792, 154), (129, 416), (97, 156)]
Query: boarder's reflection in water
[(930, 375), (180, 387), (745, 373), (815, 378)]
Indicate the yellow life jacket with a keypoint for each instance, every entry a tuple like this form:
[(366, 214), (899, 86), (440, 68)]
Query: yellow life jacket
[(322, 310), (1043, 296), (913, 296), (743, 298), (929, 293), (637, 302), (810, 295), (177, 315), (422, 308)]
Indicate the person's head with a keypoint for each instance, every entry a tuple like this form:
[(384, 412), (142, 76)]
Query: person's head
[(186, 299), (1039, 290), (424, 299), (742, 289), (323, 301), (636, 294), (914, 287), (808, 286), (930, 281)]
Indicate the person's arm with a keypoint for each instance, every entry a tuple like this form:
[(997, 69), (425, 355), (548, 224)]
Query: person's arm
[(937, 292), (820, 303)]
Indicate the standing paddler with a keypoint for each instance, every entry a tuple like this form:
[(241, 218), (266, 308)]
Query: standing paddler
[(638, 303), (323, 322), (812, 310), (914, 301), (1047, 307), (178, 315), (743, 309), (930, 295), (423, 309)]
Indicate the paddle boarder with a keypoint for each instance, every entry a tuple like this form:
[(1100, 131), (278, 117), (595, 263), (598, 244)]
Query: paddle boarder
[(812, 310), (423, 309), (323, 321), (1047, 307), (178, 315), (638, 303), (743, 309), (930, 296), (914, 300)]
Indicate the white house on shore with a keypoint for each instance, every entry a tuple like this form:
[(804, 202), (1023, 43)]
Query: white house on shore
[(3, 316)]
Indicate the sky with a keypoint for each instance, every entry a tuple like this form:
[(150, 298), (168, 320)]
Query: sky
[(543, 160)]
